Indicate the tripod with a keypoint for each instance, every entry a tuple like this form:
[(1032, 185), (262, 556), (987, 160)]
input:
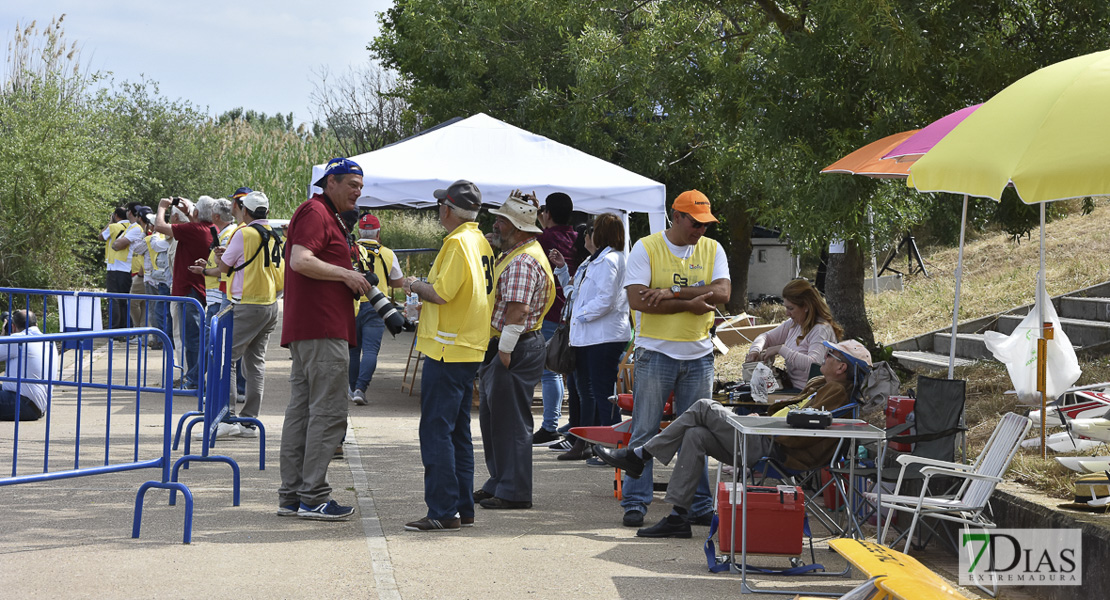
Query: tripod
[(912, 256)]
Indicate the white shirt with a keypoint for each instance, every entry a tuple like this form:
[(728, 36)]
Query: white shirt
[(43, 362), (600, 311), (638, 271)]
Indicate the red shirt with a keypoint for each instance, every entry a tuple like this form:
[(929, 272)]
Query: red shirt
[(561, 238), (194, 240), (317, 309)]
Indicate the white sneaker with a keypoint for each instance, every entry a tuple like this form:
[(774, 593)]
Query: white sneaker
[(359, 398), (223, 430), (240, 398), (350, 394), (246, 431)]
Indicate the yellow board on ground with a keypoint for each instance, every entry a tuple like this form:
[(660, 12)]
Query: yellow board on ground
[(895, 575)]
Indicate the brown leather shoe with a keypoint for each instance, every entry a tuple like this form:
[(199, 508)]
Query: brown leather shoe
[(466, 521), (579, 451)]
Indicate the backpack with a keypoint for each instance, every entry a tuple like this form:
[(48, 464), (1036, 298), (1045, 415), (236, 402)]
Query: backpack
[(271, 258), (878, 385)]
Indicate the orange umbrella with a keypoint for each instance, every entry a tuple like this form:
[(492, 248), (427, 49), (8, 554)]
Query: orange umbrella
[(869, 162)]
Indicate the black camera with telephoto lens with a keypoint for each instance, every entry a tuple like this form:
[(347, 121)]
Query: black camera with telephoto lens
[(395, 322)]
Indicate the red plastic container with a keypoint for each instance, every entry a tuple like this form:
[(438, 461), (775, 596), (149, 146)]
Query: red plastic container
[(898, 409), (775, 517), (832, 497)]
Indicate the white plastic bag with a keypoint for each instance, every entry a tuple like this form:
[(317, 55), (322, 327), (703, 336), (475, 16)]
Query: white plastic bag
[(763, 382), (1018, 351)]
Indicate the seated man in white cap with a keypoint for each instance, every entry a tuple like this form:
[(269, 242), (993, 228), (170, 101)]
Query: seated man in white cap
[(703, 430)]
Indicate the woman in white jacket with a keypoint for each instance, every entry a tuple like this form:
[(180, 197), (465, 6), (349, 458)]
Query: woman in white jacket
[(599, 324), (798, 340)]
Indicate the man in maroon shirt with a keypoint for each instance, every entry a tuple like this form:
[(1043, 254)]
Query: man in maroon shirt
[(318, 327), (194, 240)]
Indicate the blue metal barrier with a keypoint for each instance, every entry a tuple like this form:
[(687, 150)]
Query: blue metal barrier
[(217, 405), (86, 399)]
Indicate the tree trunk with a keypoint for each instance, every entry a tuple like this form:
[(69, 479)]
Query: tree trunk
[(739, 258), (844, 293)]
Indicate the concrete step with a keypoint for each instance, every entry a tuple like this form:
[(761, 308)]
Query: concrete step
[(1081, 332), (927, 361), (1091, 309), (968, 345)]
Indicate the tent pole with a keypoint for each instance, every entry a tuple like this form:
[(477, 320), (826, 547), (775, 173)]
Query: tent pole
[(1042, 341), (956, 304)]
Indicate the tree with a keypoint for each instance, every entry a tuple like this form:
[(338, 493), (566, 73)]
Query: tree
[(360, 108), (59, 177), (636, 84), (836, 74)]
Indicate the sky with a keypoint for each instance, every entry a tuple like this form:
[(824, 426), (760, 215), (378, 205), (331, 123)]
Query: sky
[(257, 54)]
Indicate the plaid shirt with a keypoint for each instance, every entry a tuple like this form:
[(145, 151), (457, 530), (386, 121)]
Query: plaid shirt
[(523, 280)]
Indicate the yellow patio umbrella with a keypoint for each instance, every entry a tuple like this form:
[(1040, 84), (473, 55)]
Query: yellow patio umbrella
[(1047, 135)]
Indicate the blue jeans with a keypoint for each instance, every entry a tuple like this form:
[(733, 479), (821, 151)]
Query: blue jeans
[(161, 310), (595, 374), (191, 337), (240, 379), (369, 328), (552, 386), (655, 377), (446, 448), (28, 411)]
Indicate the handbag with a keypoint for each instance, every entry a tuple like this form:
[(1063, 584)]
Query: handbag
[(560, 357)]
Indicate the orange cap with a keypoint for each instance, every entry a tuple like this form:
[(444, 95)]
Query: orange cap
[(695, 204)]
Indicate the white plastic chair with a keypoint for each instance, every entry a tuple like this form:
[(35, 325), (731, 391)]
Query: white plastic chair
[(968, 504)]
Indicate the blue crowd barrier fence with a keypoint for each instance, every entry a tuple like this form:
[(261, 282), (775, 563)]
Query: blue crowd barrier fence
[(76, 407), (217, 404)]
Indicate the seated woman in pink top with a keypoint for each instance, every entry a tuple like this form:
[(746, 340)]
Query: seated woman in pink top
[(798, 339)]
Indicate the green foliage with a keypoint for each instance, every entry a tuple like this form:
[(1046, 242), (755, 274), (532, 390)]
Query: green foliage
[(59, 167), (412, 229), (262, 157)]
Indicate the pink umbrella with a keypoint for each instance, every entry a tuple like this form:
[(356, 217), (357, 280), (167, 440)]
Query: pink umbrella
[(924, 140)]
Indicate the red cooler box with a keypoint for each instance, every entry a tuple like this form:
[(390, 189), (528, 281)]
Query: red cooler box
[(898, 409), (775, 517)]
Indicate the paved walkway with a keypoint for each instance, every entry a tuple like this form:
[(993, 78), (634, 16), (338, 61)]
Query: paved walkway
[(71, 538)]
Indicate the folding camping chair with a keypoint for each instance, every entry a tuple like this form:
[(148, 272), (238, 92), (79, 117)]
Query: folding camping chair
[(972, 499)]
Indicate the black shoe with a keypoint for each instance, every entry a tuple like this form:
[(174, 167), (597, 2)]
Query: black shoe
[(594, 461), (543, 437), (480, 494), (622, 458), (673, 526), (495, 503), (633, 518), (703, 520)]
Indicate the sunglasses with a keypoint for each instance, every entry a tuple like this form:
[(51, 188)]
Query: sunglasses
[(696, 224)]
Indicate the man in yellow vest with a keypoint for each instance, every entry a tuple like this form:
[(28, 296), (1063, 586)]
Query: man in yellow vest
[(525, 290), (452, 335), (375, 258), (673, 279), (155, 250), (117, 259), (254, 256), (137, 214)]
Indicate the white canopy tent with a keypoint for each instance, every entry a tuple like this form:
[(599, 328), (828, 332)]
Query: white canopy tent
[(499, 158)]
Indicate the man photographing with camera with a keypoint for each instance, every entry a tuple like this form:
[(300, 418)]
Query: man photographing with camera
[(194, 240), (318, 327), (21, 399)]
